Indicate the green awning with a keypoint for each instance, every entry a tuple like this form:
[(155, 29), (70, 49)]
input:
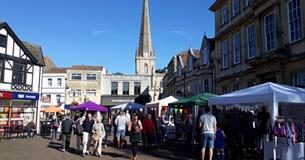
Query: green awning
[(198, 100)]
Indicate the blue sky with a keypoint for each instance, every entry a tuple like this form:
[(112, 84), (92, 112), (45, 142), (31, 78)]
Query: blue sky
[(106, 32)]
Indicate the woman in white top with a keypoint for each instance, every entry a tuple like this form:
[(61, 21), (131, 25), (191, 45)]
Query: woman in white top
[(98, 131)]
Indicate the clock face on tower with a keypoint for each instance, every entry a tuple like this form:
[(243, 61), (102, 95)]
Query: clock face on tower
[(145, 54)]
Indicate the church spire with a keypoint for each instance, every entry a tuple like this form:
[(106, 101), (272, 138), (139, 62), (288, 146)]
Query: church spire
[(145, 44)]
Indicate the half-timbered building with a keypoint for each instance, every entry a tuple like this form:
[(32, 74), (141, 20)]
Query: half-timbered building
[(21, 66)]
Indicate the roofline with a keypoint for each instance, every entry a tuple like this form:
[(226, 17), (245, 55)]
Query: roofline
[(6, 26)]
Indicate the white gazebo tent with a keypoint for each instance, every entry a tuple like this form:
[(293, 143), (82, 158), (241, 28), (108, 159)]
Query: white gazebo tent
[(269, 93), (162, 103)]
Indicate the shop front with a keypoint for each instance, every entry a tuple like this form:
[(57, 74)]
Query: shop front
[(16, 107), (114, 100)]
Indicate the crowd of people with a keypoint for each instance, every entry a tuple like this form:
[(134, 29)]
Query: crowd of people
[(95, 129)]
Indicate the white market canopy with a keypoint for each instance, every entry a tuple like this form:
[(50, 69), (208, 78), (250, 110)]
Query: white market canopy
[(270, 93), (162, 102), (128, 106)]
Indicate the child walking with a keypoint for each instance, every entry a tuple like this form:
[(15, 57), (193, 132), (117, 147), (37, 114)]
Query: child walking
[(220, 143)]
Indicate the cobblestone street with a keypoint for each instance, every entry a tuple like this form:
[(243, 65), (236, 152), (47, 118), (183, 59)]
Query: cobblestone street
[(40, 148)]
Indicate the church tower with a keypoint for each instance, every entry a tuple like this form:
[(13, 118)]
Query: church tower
[(145, 55)]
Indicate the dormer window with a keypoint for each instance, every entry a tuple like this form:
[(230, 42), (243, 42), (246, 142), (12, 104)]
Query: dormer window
[(205, 56), (191, 61)]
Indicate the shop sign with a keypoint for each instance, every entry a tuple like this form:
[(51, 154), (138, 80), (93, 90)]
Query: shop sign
[(25, 96), (6, 95)]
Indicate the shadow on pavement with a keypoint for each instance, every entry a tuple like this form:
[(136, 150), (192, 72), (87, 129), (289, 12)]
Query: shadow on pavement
[(116, 155)]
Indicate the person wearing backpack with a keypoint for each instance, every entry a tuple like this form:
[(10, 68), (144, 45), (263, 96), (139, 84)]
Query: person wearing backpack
[(78, 131), (54, 128), (135, 128)]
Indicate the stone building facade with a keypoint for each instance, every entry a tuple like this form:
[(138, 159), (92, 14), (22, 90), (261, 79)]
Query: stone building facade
[(189, 73), (258, 41), (84, 84)]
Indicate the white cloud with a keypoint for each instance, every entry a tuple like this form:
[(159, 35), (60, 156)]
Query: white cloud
[(99, 32), (179, 32)]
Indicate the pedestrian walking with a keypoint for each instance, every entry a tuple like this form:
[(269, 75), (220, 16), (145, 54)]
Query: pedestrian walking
[(87, 134), (66, 131), (78, 131), (121, 122), (54, 128), (98, 135), (207, 123), (189, 131), (135, 128), (148, 131)]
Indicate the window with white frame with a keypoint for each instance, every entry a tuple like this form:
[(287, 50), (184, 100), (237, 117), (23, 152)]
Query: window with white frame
[(251, 42), (225, 53), (58, 98), (90, 76), (59, 82), (76, 76), (50, 82), (298, 79), (235, 7), (125, 88), (294, 20), (75, 92), (224, 15), (91, 92), (205, 55), (191, 60), (236, 48), (270, 32), (137, 88), (114, 88), (248, 2)]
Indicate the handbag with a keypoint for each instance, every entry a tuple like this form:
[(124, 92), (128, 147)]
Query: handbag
[(95, 137)]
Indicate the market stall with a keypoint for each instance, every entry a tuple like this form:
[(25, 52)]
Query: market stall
[(89, 106), (191, 105), (161, 104), (270, 95), (129, 106)]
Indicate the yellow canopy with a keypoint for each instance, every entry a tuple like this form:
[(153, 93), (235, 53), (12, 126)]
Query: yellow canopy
[(52, 109)]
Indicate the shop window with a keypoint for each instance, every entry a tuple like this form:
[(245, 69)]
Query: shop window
[(3, 41), (59, 82), (114, 88), (76, 76), (298, 79), (125, 88), (91, 77), (1, 70), (19, 73), (294, 19), (237, 87), (137, 88), (251, 84), (225, 90)]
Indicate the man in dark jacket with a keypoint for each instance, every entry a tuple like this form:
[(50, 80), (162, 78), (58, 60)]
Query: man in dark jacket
[(66, 130), (87, 134)]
